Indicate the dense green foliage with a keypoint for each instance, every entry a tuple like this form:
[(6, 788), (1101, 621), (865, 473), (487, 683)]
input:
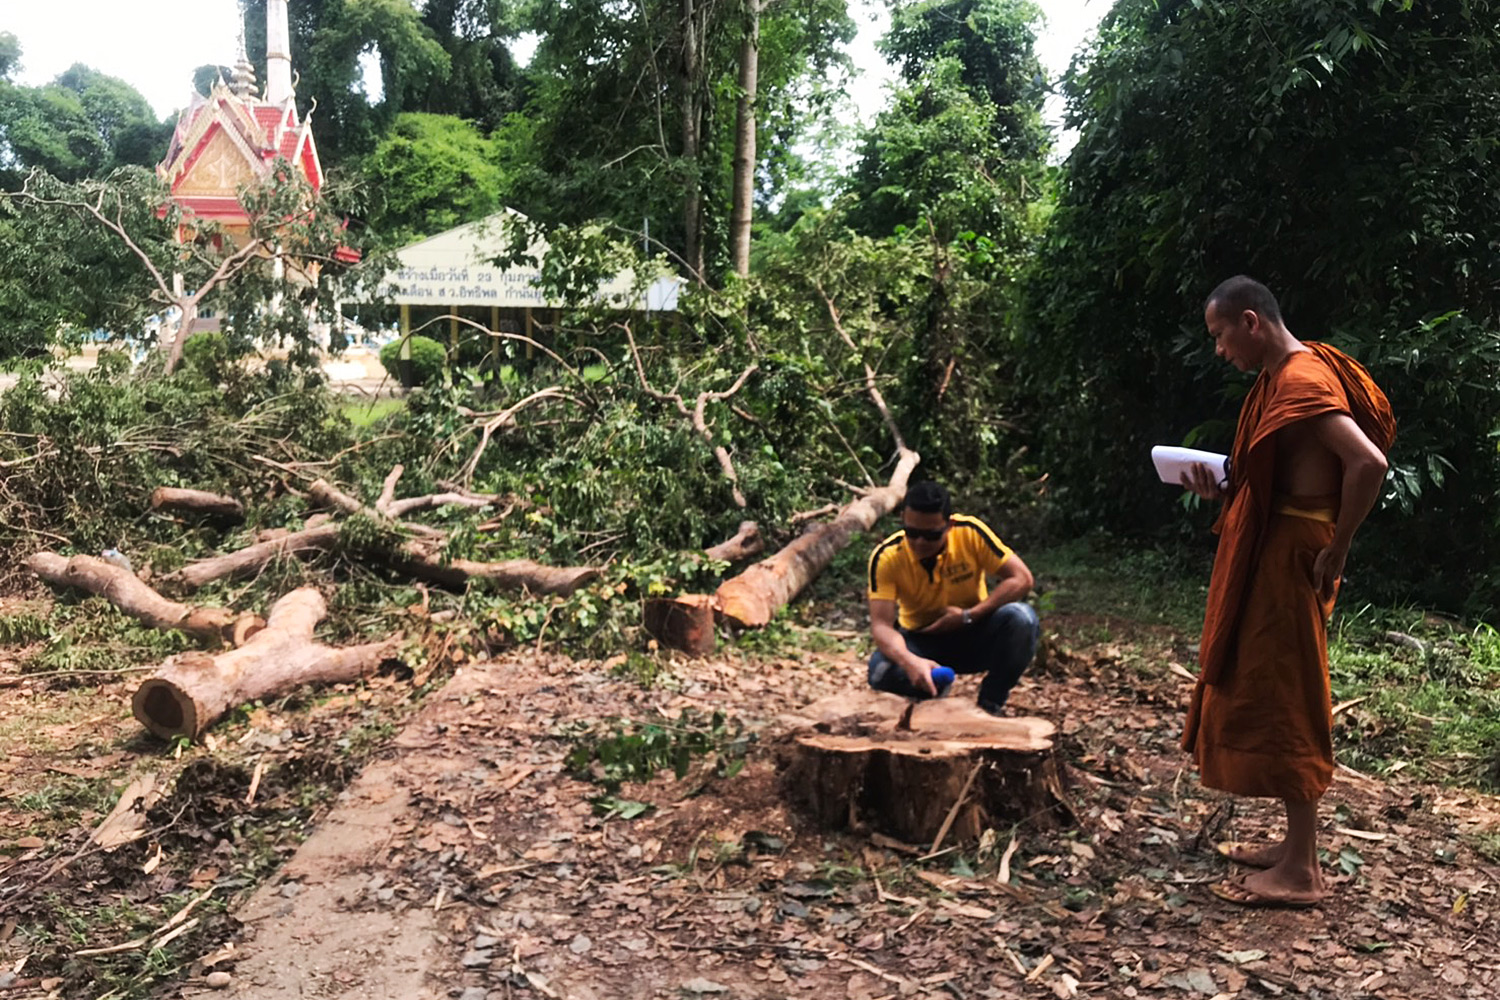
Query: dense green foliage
[(992, 44), (1034, 328), (430, 173), (105, 254), (1314, 146), (82, 466), (82, 124)]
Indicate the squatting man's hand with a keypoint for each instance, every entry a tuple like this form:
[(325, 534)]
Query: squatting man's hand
[(919, 672), (951, 618)]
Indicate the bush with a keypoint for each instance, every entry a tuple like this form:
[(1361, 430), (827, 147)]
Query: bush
[(208, 354), (428, 360)]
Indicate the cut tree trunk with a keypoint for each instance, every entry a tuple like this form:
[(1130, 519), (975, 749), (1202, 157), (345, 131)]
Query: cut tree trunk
[(753, 598), (169, 498), (192, 690), (512, 574), (125, 591), (746, 542), (253, 558), (955, 773), (413, 557), (685, 623)]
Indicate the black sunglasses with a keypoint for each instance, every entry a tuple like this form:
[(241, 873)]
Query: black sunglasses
[(929, 534)]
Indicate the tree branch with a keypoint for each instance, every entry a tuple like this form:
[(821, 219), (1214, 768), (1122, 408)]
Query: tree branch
[(870, 385), (697, 416)]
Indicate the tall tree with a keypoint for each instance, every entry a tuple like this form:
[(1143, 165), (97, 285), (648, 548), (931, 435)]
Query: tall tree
[(328, 37), (742, 213), (483, 84), (994, 41), (430, 173), (82, 124), (630, 114)]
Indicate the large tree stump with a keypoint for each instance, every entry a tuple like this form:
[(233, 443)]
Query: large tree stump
[(192, 690), (685, 623), (958, 770)]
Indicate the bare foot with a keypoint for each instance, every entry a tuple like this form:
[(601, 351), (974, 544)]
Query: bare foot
[(1254, 857), (1247, 891)]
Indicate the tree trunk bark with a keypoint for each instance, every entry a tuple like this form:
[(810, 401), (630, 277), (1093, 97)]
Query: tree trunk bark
[(685, 623), (742, 213), (192, 690), (189, 307), (746, 542), (753, 598), (125, 591), (252, 559), (694, 17), (196, 502), (957, 772)]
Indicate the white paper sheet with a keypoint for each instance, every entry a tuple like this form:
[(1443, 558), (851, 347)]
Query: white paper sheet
[(1172, 462)]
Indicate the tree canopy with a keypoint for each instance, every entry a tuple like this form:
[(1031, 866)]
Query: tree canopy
[(1312, 146), (82, 124)]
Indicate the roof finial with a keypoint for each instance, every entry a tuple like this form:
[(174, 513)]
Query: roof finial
[(244, 74)]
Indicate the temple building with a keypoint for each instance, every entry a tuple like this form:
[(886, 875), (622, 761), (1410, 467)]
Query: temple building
[(231, 137)]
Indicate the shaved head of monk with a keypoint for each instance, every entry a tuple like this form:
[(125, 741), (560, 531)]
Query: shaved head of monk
[(1244, 318)]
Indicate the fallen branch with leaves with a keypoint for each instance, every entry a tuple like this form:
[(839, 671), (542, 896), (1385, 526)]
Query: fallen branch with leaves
[(420, 553)]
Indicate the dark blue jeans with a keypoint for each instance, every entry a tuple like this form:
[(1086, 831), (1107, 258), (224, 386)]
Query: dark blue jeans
[(999, 646)]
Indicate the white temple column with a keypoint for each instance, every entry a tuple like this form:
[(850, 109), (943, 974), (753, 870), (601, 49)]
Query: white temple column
[(278, 53)]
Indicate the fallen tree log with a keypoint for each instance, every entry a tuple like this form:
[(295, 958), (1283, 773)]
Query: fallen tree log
[(170, 498), (753, 598), (127, 592), (955, 773), (514, 574), (192, 690), (253, 558), (747, 542)]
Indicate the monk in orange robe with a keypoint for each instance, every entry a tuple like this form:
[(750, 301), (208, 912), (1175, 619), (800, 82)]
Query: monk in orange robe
[(1307, 466)]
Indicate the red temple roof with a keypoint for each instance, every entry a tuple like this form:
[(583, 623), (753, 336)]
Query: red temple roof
[(225, 141)]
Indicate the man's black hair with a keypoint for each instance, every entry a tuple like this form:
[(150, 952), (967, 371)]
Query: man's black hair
[(927, 497), (1235, 295)]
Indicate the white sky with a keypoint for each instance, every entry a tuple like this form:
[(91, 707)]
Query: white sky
[(154, 45)]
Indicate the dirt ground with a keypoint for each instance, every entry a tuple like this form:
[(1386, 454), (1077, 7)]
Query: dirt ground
[(465, 860)]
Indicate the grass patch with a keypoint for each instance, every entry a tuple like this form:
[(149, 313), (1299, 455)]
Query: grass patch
[(364, 413), (1432, 695), (1099, 575)]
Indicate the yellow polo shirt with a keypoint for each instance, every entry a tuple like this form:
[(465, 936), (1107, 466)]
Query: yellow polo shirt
[(955, 578)]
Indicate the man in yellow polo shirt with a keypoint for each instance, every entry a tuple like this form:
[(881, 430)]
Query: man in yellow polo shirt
[(932, 605)]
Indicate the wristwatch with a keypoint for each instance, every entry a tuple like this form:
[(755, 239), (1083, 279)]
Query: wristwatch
[(967, 618)]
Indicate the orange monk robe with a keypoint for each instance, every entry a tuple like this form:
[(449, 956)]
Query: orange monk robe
[(1261, 719)]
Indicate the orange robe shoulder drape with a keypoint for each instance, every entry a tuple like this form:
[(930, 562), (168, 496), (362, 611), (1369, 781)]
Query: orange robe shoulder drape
[(1260, 722)]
